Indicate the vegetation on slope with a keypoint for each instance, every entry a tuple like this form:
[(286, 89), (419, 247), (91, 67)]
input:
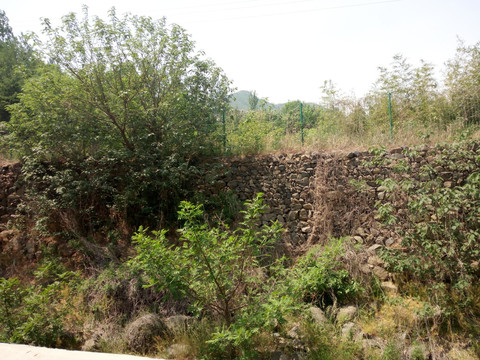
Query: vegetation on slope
[(112, 118)]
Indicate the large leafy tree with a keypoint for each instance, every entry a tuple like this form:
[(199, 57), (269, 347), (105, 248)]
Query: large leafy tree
[(116, 118), (128, 83)]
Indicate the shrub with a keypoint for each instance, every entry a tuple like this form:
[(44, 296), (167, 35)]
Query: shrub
[(320, 277), (35, 314), (219, 269)]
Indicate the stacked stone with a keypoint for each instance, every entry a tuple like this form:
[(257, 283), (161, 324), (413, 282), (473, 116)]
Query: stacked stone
[(286, 180)]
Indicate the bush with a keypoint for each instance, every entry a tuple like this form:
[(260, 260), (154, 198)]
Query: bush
[(219, 269), (320, 277), (34, 314)]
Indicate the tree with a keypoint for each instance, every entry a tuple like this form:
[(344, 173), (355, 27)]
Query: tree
[(116, 119), (463, 82), (253, 100), (218, 269), (290, 115), (414, 93), (134, 81), (17, 62)]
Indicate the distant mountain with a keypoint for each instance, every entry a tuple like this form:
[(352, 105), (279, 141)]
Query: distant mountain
[(240, 101)]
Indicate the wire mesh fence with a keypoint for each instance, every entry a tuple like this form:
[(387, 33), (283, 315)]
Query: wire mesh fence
[(375, 119)]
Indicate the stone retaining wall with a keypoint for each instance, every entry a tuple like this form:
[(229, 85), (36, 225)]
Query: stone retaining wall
[(313, 193)]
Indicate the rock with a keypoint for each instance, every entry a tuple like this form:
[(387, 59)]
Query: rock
[(304, 181), (373, 248), (294, 332), (396, 156), (267, 218), (296, 206), (306, 229), (389, 242), (318, 315), (232, 184), (375, 260), (361, 232), (292, 215), (303, 215), (397, 150), (380, 240), (140, 334), (365, 269), (177, 351), (389, 287), (358, 239), (348, 330), (380, 272), (308, 206), (346, 313)]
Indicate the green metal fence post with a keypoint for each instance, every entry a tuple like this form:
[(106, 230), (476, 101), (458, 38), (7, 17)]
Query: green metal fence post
[(301, 120), (224, 132), (390, 113)]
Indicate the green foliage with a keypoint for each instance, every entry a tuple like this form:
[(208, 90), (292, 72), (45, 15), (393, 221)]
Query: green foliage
[(358, 185), (35, 314), (224, 206), (220, 270), (108, 132), (253, 100), (463, 89), (250, 133), (413, 89), (11, 294), (290, 116), (324, 343), (435, 210), (130, 83), (17, 63), (442, 231), (319, 276), (392, 352)]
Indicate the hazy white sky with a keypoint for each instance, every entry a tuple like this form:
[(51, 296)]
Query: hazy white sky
[(285, 49)]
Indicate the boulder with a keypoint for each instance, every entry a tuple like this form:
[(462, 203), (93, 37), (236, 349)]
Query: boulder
[(140, 334), (318, 315), (346, 313), (389, 287), (348, 330)]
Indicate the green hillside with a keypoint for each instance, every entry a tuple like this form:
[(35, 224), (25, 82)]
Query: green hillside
[(239, 101)]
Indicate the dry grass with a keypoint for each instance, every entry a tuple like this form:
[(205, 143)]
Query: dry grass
[(345, 140), (399, 315)]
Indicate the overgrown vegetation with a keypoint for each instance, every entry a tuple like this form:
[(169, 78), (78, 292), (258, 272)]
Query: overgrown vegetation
[(110, 119), (35, 314), (423, 110), (435, 209)]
